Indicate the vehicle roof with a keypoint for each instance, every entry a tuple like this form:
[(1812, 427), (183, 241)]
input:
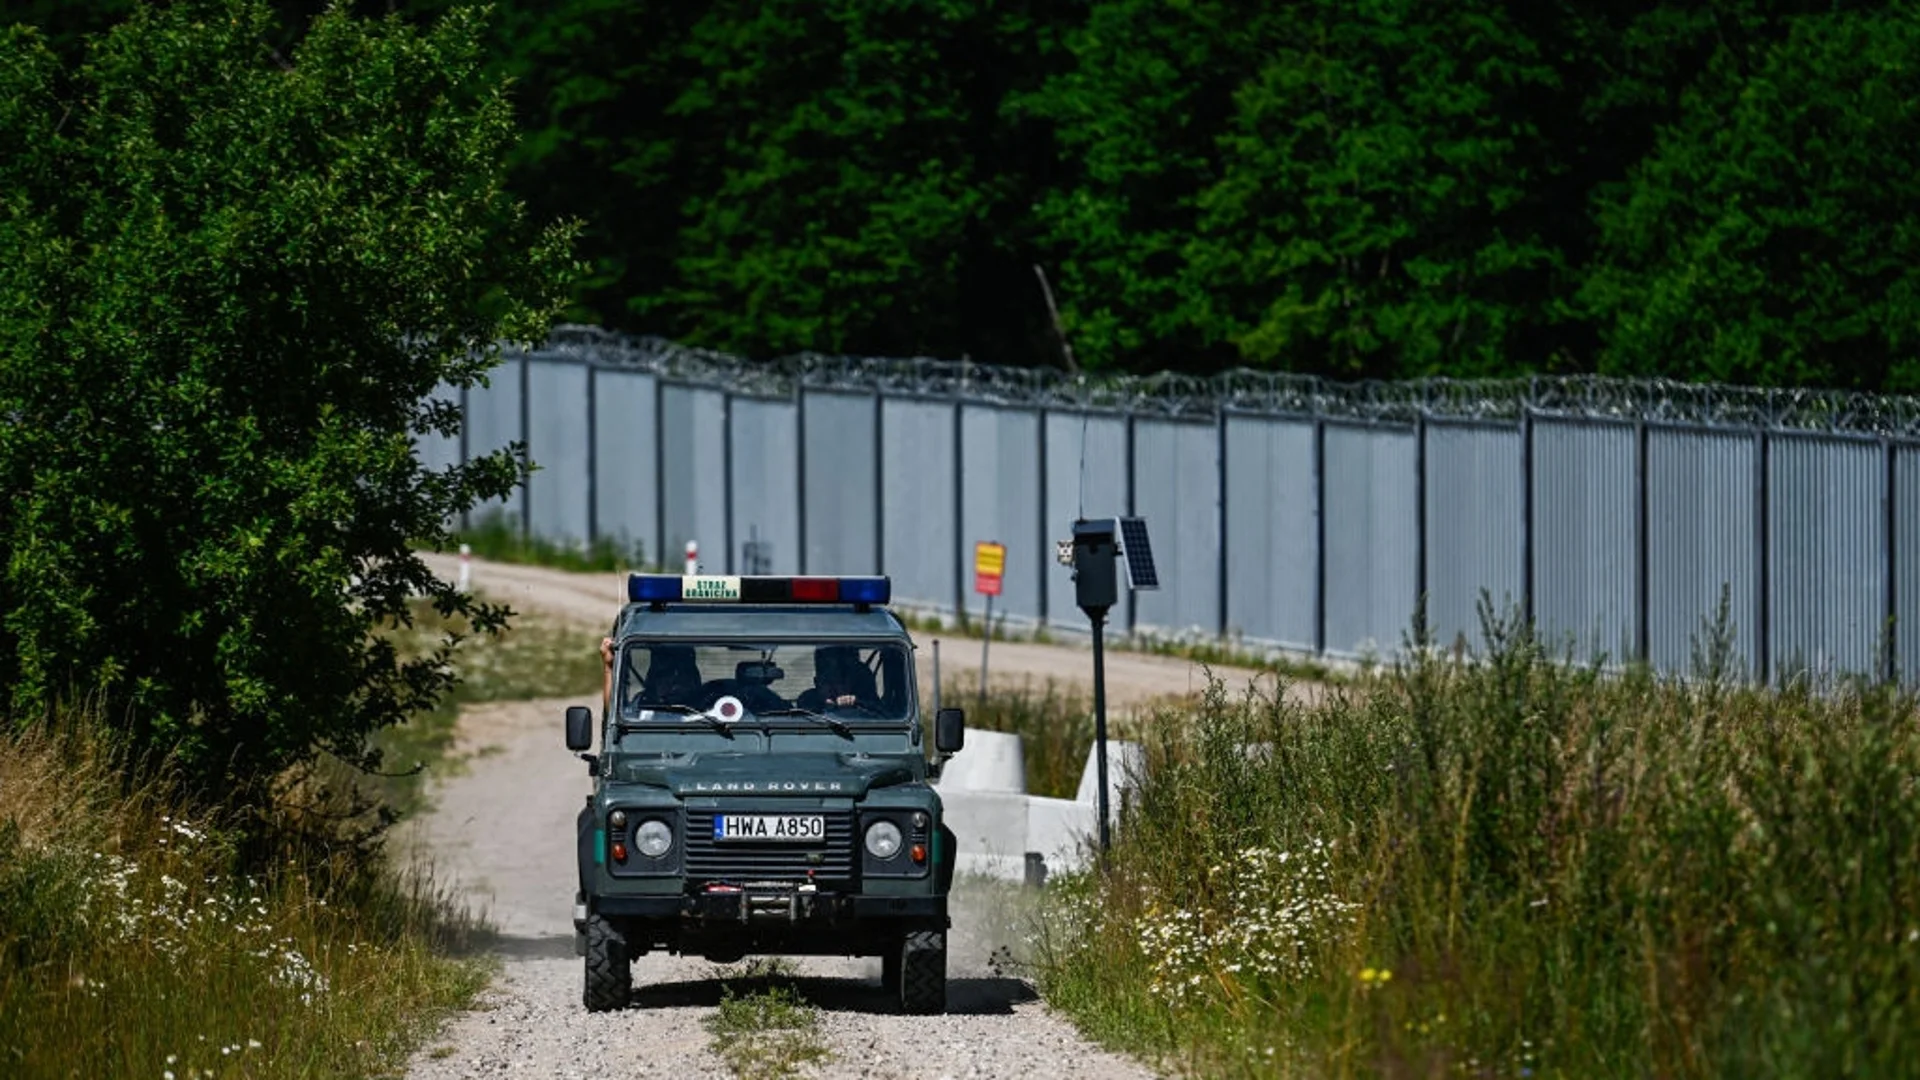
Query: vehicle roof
[(750, 620)]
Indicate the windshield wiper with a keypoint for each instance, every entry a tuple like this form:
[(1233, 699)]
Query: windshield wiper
[(718, 724), (839, 726)]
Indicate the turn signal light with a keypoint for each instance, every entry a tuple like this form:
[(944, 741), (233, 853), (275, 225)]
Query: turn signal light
[(619, 853), (919, 853)]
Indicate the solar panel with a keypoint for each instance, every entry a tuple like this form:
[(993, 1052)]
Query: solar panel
[(1138, 554)]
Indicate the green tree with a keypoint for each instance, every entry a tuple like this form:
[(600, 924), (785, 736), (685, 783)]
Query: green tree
[(1137, 115), (230, 278), (1771, 235), (837, 183), (1378, 204)]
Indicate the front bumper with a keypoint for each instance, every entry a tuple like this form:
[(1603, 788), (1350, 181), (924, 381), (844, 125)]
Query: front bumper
[(748, 906)]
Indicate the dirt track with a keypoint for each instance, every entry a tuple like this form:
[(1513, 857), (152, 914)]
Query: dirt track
[(501, 832), (1133, 679)]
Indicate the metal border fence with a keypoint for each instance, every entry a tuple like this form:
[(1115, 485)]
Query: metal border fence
[(1287, 511)]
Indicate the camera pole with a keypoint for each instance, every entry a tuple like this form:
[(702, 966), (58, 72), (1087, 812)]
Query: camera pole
[(1092, 554)]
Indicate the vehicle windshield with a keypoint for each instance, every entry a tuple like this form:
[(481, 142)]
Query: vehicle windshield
[(847, 681)]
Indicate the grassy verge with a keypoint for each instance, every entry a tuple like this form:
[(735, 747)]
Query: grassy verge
[(495, 536), (1512, 868), (135, 941), (763, 1028), (1054, 722), (131, 944)]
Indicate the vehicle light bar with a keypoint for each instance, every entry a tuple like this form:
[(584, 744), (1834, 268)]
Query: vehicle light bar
[(710, 588)]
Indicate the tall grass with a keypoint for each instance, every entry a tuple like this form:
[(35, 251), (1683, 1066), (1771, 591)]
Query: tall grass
[(140, 938), (1054, 722), (1512, 867), (495, 536), (132, 943)]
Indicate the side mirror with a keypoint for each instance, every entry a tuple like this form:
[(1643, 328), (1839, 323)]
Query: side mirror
[(949, 730), (579, 727)]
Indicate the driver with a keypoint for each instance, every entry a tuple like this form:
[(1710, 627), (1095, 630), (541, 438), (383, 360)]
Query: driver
[(673, 677), (839, 679)]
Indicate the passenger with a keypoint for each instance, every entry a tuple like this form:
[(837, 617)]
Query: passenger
[(840, 680)]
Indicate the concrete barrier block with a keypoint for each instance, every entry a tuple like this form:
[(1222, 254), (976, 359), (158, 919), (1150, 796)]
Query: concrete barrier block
[(1126, 761), (1061, 831), (1000, 867), (992, 823), (991, 761)]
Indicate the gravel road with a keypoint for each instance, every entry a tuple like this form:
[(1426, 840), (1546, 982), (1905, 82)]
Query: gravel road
[(501, 830), (1133, 679)]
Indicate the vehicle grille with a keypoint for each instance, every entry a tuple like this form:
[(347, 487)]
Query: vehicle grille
[(744, 860)]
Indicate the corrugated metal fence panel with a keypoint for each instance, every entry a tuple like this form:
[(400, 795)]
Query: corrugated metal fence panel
[(1272, 531), (1086, 470), (1176, 487), (493, 421), (1700, 539), (557, 444), (766, 485), (842, 478), (625, 456), (1906, 562), (1370, 538), (1000, 500), (1585, 573), (1476, 532), (1826, 543), (917, 480), (693, 482)]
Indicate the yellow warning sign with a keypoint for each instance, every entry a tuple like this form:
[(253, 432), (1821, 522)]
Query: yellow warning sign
[(989, 566)]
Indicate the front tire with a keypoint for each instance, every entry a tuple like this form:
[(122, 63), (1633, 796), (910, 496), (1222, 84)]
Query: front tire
[(890, 969), (923, 972), (609, 970)]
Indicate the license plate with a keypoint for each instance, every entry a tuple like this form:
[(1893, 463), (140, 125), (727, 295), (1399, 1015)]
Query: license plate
[(795, 827)]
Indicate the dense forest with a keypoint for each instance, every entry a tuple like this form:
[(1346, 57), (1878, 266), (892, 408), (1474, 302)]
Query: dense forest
[(1717, 190)]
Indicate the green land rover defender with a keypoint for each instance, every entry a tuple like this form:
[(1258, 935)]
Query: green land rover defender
[(762, 785)]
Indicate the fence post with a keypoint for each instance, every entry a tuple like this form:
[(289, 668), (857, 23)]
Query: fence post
[(1043, 559), (1890, 509), (1527, 605), (1319, 535), (593, 455), (1420, 516), (526, 446), (660, 472), (726, 479), (800, 472), (1220, 480), (1133, 597), (956, 554), (1763, 573), (879, 486), (466, 427), (1642, 554)]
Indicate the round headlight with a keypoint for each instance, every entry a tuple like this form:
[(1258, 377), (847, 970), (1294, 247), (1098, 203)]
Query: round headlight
[(653, 838), (883, 839), (617, 819)]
